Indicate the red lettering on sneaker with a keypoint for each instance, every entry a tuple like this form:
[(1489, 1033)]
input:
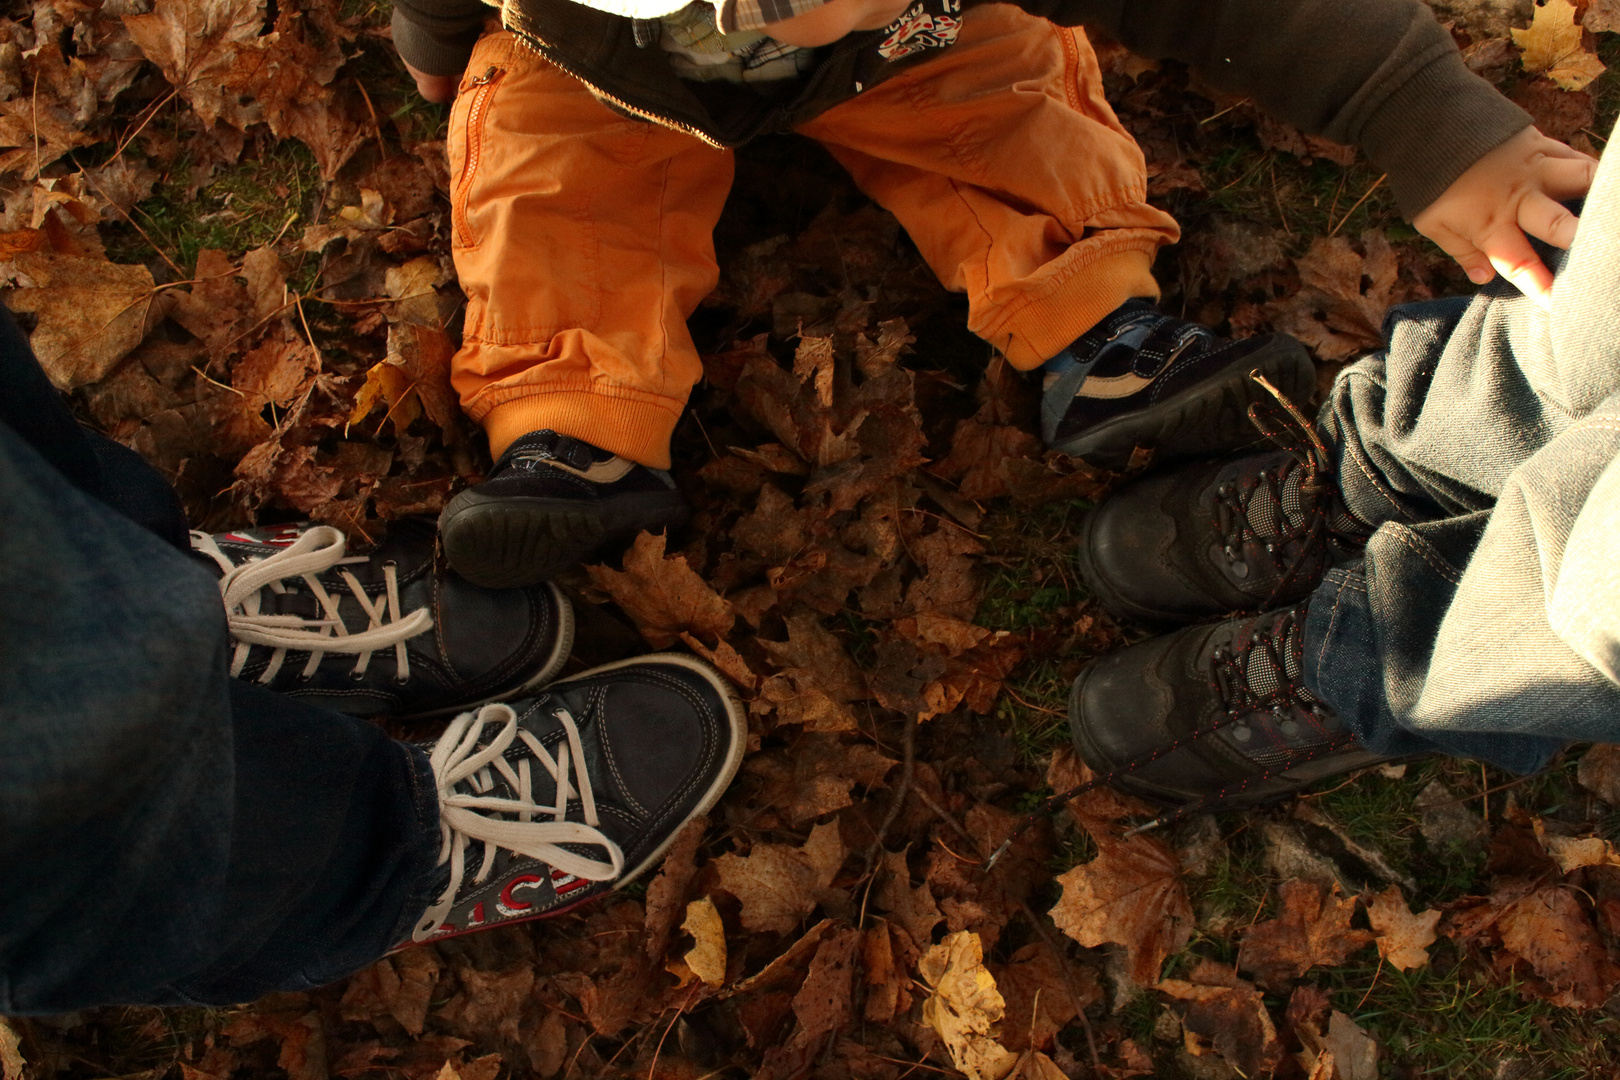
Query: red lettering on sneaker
[(510, 907)]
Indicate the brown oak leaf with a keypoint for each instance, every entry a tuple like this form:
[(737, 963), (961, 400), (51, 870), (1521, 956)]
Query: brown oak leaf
[(1226, 1015)]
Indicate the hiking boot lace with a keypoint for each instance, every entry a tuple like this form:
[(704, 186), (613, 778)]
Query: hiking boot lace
[(476, 814), (249, 591)]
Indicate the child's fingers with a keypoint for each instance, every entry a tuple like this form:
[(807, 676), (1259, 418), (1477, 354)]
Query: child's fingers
[(1568, 177), (1470, 258), (1511, 254), (1547, 220)]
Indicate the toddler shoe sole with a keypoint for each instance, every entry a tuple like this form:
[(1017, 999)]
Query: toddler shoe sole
[(503, 542)]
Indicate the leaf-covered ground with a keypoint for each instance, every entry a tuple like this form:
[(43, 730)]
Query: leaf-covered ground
[(225, 224)]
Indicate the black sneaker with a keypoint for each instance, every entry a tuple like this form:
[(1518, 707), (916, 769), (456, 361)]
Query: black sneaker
[(1143, 378), (555, 800), (550, 501), (391, 633), (1211, 716), (1217, 537)]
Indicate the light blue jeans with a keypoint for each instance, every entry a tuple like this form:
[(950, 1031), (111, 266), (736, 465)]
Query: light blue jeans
[(1484, 442)]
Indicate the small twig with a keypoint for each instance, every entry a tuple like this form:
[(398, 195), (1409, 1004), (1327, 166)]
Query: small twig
[(298, 302), (1334, 208), (375, 126), (1030, 705), (1364, 197), (37, 167), (659, 1049), (135, 224), (928, 801), (150, 116), (1223, 112), (1276, 196), (1484, 796), (907, 763), (1376, 972)]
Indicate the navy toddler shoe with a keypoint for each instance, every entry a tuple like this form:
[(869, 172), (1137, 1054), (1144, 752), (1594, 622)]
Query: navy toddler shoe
[(1143, 378), (550, 501)]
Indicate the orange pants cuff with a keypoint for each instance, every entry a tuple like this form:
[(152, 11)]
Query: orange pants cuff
[(637, 428)]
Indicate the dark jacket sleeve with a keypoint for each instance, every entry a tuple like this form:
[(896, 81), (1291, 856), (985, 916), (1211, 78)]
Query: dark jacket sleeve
[(1378, 74), (436, 37)]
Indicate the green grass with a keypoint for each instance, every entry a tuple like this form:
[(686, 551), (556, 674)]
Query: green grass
[(276, 187), (1447, 1021)]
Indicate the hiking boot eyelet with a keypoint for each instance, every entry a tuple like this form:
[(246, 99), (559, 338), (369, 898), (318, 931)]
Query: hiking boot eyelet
[(1289, 728), (1242, 733)]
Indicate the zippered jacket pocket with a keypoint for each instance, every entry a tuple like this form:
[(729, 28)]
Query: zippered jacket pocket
[(477, 93)]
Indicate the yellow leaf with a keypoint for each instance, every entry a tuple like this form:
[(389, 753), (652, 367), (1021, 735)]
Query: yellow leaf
[(388, 384), (1403, 938), (965, 1005), (707, 958), (1552, 45)]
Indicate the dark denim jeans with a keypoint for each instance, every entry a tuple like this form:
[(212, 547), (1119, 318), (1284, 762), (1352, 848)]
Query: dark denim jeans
[(1485, 443), (167, 835)]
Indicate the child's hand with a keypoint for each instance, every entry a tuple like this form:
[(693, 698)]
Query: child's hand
[(437, 88), (1482, 218)]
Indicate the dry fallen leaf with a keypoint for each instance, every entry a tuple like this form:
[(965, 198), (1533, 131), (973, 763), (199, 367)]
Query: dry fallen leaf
[(1403, 938), (1599, 772), (1312, 929), (964, 1006), (92, 313), (1225, 1015), (777, 884), (1130, 894), (663, 595), (707, 958), (1552, 46)]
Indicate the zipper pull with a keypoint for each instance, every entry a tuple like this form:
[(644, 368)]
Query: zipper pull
[(486, 78)]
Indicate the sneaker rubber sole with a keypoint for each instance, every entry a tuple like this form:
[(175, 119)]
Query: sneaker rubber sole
[(513, 541), (1209, 418)]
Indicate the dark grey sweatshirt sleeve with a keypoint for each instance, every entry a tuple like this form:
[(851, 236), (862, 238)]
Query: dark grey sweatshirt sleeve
[(436, 37), (1378, 74)]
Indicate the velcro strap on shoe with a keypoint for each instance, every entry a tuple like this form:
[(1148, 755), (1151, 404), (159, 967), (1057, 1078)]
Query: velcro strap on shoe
[(1166, 340)]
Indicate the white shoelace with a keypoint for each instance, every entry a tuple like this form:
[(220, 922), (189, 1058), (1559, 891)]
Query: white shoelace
[(457, 760), (316, 551)]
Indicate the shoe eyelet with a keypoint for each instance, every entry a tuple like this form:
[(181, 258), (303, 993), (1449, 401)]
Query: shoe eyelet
[(1289, 728), (1242, 733), (357, 676), (390, 564), (399, 681), (306, 678)]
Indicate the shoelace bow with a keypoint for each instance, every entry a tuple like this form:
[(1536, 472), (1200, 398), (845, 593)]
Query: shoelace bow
[(470, 812), (1236, 694), (316, 551)]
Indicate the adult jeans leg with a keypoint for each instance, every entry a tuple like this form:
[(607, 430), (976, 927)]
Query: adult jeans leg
[(1476, 442), (171, 836)]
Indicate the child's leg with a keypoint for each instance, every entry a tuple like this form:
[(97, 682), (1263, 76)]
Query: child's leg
[(583, 240), (1010, 171)]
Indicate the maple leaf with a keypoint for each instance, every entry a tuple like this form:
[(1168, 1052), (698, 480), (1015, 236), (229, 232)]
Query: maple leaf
[(663, 595), (1403, 938), (302, 1052), (1313, 929), (1331, 314), (1224, 1014), (778, 884), (92, 313), (197, 44), (1552, 46), (964, 1006), (401, 987), (886, 960), (1131, 894)]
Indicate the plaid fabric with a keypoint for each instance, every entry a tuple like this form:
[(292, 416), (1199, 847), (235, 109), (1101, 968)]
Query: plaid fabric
[(733, 15), (699, 50)]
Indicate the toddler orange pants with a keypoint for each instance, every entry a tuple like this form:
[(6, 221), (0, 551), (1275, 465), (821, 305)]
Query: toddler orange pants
[(584, 239)]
